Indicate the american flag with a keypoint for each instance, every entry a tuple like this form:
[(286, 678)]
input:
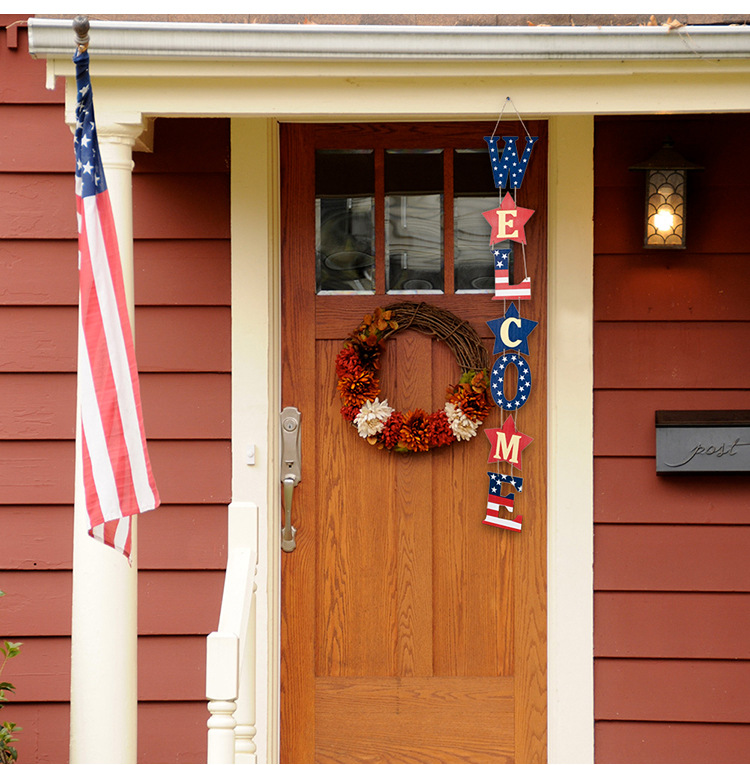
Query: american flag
[(496, 501), (117, 477), (504, 290)]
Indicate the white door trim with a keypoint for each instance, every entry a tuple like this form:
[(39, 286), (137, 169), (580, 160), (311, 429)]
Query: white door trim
[(255, 384), (256, 350)]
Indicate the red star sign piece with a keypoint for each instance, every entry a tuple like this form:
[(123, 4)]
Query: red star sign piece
[(506, 443), (507, 221)]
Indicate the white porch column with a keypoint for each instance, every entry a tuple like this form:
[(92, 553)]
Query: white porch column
[(104, 629), (571, 438)]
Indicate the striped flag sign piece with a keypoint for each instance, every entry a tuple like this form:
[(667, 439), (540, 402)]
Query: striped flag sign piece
[(497, 503), (117, 477), (505, 523), (504, 290)]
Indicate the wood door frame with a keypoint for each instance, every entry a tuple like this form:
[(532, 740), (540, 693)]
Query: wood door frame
[(255, 252)]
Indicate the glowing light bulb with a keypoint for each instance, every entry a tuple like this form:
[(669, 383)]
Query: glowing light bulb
[(664, 220)]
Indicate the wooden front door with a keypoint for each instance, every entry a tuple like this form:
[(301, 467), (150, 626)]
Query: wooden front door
[(411, 631)]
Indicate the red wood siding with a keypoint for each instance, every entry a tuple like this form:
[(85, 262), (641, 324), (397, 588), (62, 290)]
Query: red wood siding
[(627, 490), (175, 272), (672, 331), (673, 625), (182, 287), (196, 534), (649, 742)]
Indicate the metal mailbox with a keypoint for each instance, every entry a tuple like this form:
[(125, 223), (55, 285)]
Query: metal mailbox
[(702, 442)]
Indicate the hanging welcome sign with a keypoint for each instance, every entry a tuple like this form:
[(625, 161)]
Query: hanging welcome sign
[(468, 401), (507, 223)]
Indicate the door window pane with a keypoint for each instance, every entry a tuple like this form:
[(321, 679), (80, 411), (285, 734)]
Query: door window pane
[(345, 221), (414, 221), (474, 193)]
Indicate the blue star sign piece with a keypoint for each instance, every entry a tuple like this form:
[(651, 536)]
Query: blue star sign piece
[(497, 386), (509, 167), (512, 332)]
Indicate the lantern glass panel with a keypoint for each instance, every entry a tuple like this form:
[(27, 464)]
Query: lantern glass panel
[(665, 209)]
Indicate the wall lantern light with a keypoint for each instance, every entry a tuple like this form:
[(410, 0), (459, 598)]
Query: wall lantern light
[(666, 177)]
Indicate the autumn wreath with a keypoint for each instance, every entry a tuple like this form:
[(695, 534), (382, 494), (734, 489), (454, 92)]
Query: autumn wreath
[(467, 402)]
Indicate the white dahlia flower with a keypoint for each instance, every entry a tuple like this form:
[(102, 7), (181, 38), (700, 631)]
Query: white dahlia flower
[(463, 428), (372, 416)]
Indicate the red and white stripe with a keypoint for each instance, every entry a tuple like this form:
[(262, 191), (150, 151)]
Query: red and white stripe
[(494, 503), (504, 290), (493, 519), (117, 476)]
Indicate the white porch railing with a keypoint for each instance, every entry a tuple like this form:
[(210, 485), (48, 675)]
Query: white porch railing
[(230, 651)]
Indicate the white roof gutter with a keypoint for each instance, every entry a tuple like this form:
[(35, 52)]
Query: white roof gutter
[(53, 38)]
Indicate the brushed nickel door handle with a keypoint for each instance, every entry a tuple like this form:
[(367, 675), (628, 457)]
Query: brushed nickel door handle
[(290, 471)]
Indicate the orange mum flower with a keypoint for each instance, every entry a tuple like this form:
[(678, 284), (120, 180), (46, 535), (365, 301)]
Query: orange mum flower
[(474, 405), (471, 395), (358, 387), (414, 431)]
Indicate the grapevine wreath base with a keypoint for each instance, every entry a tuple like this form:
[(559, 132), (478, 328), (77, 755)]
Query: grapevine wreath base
[(467, 402)]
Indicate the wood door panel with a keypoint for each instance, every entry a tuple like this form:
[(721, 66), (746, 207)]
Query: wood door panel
[(411, 631), (356, 549), (421, 719), (410, 509), (472, 583)]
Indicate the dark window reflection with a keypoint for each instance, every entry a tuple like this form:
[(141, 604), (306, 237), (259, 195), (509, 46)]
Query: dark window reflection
[(475, 192), (345, 221), (414, 221)]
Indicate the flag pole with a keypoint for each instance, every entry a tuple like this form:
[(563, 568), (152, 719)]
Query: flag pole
[(104, 697), (81, 27)]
